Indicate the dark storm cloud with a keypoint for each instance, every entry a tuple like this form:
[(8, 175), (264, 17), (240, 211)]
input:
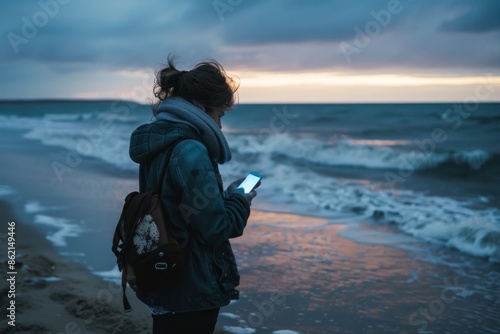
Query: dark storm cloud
[(108, 34), (416, 34), (287, 21), (476, 17), (292, 21), (258, 34)]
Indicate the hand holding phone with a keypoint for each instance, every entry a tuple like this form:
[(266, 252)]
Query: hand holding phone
[(250, 182)]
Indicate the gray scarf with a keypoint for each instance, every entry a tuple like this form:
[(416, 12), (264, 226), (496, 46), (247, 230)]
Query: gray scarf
[(177, 110)]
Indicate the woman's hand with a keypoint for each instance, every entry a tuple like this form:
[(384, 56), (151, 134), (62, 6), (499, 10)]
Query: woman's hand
[(249, 196), (234, 185)]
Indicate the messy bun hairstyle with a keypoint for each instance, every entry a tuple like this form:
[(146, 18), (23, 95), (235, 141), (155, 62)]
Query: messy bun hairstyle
[(207, 84)]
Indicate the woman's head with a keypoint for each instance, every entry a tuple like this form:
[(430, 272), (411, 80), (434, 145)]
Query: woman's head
[(207, 85)]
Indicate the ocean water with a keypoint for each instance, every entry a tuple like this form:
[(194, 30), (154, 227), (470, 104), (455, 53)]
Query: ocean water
[(431, 170), (426, 177)]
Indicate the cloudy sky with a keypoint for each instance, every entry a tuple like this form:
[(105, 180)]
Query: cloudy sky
[(281, 50)]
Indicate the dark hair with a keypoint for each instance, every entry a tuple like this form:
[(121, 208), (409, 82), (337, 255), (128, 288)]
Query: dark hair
[(207, 83)]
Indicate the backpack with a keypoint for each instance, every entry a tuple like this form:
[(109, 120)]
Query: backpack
[(147, 255)]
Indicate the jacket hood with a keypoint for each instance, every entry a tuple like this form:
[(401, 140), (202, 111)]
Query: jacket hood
[(149, 140)]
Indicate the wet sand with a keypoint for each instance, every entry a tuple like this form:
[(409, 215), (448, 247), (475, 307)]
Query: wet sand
[(300, 274)]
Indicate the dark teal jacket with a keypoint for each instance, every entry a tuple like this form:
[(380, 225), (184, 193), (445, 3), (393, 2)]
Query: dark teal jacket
[(202, 218)]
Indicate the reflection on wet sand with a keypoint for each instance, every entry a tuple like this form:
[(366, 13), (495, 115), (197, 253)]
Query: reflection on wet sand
[(326, 283)]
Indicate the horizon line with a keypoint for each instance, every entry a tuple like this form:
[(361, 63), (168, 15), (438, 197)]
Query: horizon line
[(89, 100)]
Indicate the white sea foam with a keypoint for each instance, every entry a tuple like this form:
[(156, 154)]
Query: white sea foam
[(114, 275), (6, 190), (285, 331), (80, 133), (73, 254), (35, 207), (229, 315), (376, 237), (65, 229), (432, 218), (51, 279), (238, 330), (69, 117), (357, 153), (19, 122), (109, 146), (475, 159)]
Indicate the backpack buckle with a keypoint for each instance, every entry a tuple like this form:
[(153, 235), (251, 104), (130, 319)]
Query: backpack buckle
[(161, 265)]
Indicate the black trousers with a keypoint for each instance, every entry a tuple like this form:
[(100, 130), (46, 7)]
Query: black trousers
[(196, 322)]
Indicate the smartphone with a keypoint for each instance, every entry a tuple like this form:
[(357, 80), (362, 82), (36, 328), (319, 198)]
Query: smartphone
[(250, 182)]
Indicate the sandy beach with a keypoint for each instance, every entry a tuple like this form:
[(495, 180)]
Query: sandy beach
[(55, 295)]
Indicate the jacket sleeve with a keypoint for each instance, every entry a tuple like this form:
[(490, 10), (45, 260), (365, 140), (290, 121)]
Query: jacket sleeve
[(212, 217)]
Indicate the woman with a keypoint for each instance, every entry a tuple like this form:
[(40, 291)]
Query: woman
[(203, 217)]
